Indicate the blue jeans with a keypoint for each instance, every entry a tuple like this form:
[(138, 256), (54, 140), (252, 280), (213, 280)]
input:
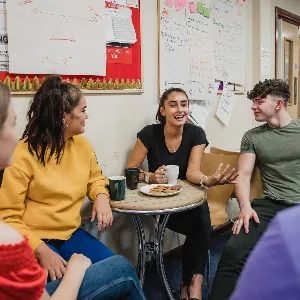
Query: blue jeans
[(80, 242), (112, 278)]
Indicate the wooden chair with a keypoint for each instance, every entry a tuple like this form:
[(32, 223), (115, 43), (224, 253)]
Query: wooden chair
[(218, 196), (256, 188)]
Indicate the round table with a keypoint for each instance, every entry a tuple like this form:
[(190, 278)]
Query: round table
[(137, 203)]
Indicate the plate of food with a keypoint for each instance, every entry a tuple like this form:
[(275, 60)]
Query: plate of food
[(161, 190)]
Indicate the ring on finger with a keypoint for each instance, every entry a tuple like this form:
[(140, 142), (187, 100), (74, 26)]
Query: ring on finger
[(162, 175)]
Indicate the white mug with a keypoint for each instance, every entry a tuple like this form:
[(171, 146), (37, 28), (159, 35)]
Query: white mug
[(172, 173)]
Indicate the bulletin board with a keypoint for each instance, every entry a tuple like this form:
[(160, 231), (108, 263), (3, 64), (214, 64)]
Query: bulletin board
[(123, 68)]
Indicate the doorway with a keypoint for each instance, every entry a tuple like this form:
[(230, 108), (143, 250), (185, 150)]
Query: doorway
[(287, 55)]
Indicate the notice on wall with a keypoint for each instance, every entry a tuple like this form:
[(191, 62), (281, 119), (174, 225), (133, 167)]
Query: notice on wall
[(265, 63), (226, 104), (199, 111), (64, 37)]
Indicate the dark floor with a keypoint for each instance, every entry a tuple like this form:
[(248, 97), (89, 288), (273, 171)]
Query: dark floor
[(153, 287)]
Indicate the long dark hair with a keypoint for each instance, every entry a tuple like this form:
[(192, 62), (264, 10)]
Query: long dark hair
[(4, 103), (45, 129), (159, 117)]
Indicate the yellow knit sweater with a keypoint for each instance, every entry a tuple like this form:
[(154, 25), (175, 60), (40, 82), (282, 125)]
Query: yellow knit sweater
[(44, 202)]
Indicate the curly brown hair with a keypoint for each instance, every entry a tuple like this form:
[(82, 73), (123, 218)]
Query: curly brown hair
[(272, 87)]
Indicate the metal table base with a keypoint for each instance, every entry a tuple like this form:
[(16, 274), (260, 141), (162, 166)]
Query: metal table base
[(153, 250)]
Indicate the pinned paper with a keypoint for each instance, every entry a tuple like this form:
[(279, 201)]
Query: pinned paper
[(200, 8), (193, 7), (206, 12), (180, 4), (118, 55), (226, 104), (169, 3)]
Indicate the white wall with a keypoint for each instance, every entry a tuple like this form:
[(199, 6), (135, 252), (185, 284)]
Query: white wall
[(114, 120)]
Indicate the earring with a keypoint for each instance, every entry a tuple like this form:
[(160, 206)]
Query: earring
[(64, 122)]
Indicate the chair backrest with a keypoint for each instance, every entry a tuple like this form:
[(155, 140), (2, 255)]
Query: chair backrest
[(218, 196), (256, 188)]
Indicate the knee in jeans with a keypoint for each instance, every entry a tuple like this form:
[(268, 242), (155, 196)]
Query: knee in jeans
[(122, 263)]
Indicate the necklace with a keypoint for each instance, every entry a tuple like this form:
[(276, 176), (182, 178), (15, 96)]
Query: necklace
[(173, 146), (173, 143)]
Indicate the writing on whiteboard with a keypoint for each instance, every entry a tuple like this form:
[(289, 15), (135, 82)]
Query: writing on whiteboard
[(62, 61), (228, 19), (25, 2), (94, 19), (64, 32)]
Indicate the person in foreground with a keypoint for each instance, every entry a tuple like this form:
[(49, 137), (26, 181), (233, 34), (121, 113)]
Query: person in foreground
[(274, 147), (173, 142), (272, 270), (54, 168), (21, 277)]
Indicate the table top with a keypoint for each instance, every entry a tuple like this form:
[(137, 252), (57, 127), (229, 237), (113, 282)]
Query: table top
[(136, 202)]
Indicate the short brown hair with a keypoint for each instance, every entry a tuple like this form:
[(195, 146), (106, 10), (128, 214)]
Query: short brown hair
[(4, 103), (159, 117), (272, 87)]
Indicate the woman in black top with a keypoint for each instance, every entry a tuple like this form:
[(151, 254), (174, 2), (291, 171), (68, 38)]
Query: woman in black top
[(173, 142)]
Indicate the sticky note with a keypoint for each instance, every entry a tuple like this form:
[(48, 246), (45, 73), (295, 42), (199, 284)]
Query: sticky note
[(180, 4), (169, 3), (193, 7), (200, 8), (206, 12)]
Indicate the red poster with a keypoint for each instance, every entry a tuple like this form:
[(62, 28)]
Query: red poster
[(119, 55)]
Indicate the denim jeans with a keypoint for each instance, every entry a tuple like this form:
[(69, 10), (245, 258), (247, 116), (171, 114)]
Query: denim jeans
[(112, 278), (80, 242)]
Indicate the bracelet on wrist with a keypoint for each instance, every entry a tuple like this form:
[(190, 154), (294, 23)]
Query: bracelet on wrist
[(202, 185)]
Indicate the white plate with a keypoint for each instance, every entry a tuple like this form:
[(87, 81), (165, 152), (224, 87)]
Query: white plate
[(146, 190)]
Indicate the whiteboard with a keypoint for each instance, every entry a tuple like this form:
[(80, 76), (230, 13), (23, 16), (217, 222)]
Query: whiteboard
[(66, 37), (200, 42), (229, 23), (186, 49)]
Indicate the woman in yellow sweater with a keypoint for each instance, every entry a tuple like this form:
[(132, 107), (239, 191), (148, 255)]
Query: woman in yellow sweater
[(53, 169)]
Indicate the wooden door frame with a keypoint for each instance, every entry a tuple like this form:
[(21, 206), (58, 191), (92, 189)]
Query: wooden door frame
[(288, 17)]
